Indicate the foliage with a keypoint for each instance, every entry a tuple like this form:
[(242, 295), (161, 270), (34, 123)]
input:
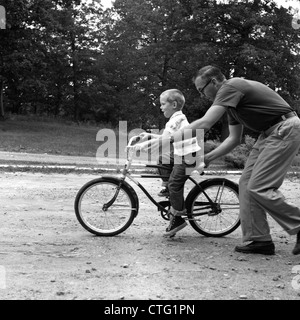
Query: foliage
[(238, 157), (210, 145), (69, 58), (47, 56)]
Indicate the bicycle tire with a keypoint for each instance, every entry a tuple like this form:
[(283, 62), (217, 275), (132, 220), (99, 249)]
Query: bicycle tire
[(113, 220), (218, 220)]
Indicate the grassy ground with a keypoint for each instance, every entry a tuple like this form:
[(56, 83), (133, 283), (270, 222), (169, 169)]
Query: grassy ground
[(40, 136), (36, 135)]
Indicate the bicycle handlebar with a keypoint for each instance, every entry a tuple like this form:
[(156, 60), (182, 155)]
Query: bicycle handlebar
[(199, 169), (132, 139)]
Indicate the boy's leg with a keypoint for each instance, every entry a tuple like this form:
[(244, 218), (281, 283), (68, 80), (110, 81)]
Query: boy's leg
[(177, 180), (166, 160)]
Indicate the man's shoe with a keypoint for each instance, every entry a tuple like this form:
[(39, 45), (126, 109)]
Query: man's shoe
[(163, 192), (177, 223), (296, 249), (262, 247)]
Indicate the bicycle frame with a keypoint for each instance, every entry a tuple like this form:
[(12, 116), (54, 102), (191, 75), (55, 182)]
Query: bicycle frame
[(126, 174), (107, 206), (159, 205)]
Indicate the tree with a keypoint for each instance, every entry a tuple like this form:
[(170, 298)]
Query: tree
[(47, 54), (154, 45), (10, 39), (147, 48), (70, 58), (81, 34), (259, 43)]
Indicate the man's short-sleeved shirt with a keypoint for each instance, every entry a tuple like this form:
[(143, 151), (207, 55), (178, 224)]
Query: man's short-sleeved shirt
[(251, 103), (177, 122)]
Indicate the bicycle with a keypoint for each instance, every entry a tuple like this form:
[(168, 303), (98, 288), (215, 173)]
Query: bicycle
[(108, 205)]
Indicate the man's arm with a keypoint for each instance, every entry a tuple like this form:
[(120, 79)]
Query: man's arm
[(233, 139), (212, 115)]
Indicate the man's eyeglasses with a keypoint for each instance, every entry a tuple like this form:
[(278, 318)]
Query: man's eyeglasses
[(202, 90)]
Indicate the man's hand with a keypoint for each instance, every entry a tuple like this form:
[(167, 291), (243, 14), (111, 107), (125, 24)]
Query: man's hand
[(143, 146), (150, 146), (145, 136), (206, 162)]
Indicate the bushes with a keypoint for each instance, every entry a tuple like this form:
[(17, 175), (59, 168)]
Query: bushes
[(210, 145), (237, 158)]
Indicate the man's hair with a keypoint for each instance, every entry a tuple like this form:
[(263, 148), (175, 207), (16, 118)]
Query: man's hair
[(175, 95), (209, 72)]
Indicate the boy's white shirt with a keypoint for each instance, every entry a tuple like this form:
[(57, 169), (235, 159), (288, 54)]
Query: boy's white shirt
[(177, 122)]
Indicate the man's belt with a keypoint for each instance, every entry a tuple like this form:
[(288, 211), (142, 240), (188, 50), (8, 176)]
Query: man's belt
[(282, 118)]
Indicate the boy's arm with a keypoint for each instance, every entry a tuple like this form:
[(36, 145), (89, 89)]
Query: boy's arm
[(156, 138), (146, 136), (153, 142)]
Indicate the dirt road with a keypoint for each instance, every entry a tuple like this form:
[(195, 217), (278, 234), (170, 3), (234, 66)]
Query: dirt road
[(46, 254)]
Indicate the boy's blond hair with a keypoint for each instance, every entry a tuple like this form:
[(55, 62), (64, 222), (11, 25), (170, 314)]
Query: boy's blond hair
[(175, 95)]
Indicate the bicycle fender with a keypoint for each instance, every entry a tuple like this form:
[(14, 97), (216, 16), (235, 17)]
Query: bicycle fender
[(128, 188)]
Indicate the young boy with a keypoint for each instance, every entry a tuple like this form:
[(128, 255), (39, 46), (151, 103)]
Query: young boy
[(172, 101)]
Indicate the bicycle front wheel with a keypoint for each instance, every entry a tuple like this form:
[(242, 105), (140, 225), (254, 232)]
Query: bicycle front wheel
[(213, 207), (105, 208)]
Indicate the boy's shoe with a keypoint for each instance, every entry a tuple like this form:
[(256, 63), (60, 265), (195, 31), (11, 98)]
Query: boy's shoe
[(177, 223), (296, 249), (262, 247), (163, 192)]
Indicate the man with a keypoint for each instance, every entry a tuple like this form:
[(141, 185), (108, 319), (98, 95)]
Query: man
[(255, 106)]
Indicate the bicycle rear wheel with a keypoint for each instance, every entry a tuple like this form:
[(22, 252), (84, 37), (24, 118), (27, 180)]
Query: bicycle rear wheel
[(104, 208), (213, 209)]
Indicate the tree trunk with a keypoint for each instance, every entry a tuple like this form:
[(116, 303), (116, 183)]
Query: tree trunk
[(58, 100), (164, 82), (75, 78), (1, 100)]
